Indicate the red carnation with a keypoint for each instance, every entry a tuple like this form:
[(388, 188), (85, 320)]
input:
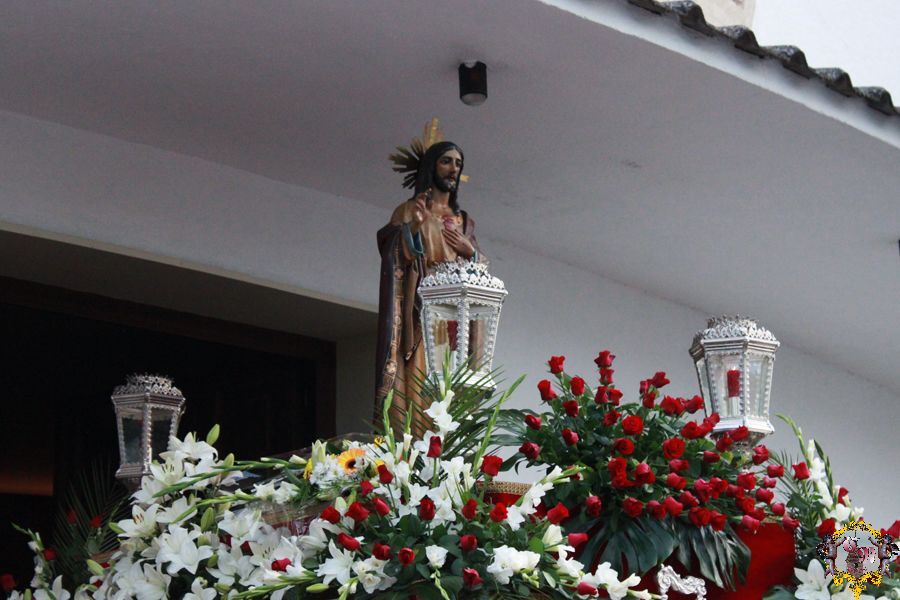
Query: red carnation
[(699, 516), (468, 542), (632, 507), (381, 551), (673, 506), (426, 509), (384, 475), (801, 471), (558, 513), (760, 454), (676, 481), (331, 514), (577, 386), (749, 523), (694, 404), (741, 433), (711, 457), (530, 450), (490, 465), (826, 528), (673, 448), (357, 512), (593, 505), (606, 376), (471, 577), (790, 523), (671, 406), (842, 493), (556, 364), (775, 470), (349, 543), (777, 509), (365, 487), (569, 436), (605, 359), (49, 554), (644, 474), (692, 431), (586, 589), (746, 480), (678, 465), (435, 446), (96, 521), (656, 509), (533, 422), (380, 506), (406, 556), (544, 387), (498, 513), (624, 446), (610, 418), (470, 508), (633, 425), (571, 407), (281, 564), (577, 539)]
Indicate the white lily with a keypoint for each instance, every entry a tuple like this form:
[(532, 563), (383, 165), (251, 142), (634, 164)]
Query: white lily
[(436, 556), (56, 591), (337, 568), (177, 548), (813, 585)]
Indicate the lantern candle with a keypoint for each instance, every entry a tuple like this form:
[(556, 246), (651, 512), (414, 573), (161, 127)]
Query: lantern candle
[(734, 383)]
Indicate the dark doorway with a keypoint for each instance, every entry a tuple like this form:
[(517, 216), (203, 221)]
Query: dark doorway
[(64, 352)]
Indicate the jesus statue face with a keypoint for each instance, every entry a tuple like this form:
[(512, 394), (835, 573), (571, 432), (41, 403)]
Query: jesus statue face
[(447, 170)]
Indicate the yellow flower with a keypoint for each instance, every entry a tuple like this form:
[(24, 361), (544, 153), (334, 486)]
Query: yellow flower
[(308, 470), (347, 459)]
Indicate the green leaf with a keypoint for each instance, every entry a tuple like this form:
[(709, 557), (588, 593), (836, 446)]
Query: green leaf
[(536, 545)]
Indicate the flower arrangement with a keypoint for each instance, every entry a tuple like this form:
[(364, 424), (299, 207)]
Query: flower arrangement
[(653, 484), (402, 517)]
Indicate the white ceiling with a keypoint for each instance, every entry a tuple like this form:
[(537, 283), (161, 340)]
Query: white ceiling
[(596, 148)]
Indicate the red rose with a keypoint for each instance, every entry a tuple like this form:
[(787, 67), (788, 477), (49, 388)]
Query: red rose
[(571, 407), (7, 582), (426, 509), (490, 465), (49, 554), (703, 490), (617, 466), (380, 506), (593, 505), (556, 364), (498, 513), (718, 486), (349, 543), (569, 437), (471, 577), (331, 514), (711, 421), (577, 539), (381, 551), (790, 523), (746, 480), (842, 493), (734, 491), (586, 589), (678, 465), (688, 499), (530, 450), (749, 523), (601, 397), (777, 509), (71, 517), (533, 422), (764, 495), (604, 360), (699, 516), (894, 530), (624, 446), (435, 446), (281, 564), (746, 504), (673, 506), (644, 474), (656, 509), (741, 433), (468, 542), (724, 442), (470, 508), (694, 404), (659, 379), (647, 400), (547, 393), (769, 482), (614, 396), (801, 471), (384, 475), (692, 431), (671, 406), (718, 521), (711, 457), (406, 556), (558, 513), (96, 521), (610, 418), (673, 448), (577, 386), (357, 512), (365, 487), (632, 507), (826, 528), (760, 454), (606, 376), (633, 425), (676, 481)]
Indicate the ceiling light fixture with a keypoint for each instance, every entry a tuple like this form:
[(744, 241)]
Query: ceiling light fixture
[(472, 82)]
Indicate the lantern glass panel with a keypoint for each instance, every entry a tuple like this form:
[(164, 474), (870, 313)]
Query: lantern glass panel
[(753, 396), (444, 331), (133, 430), (161, 427), (719, 365), (479, 322), (704, 384)]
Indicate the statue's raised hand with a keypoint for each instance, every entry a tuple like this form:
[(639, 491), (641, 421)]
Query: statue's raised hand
[(422, 210)]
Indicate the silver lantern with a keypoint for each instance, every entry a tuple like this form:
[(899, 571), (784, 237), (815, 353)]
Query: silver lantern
[(461, 305), (735, 357), (148, 408)]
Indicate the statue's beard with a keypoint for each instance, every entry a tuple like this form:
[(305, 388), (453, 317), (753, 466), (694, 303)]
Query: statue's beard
[(445, 185)]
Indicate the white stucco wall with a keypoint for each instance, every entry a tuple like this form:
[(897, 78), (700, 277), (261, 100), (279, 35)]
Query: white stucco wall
[(140, 200)]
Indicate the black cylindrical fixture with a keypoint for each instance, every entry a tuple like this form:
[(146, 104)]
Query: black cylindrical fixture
[(473, 83)]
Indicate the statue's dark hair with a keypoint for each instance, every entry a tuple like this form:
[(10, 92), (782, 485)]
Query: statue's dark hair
[(425, 174)]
